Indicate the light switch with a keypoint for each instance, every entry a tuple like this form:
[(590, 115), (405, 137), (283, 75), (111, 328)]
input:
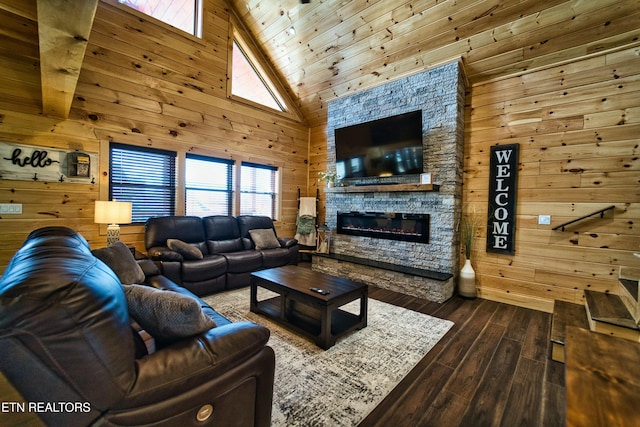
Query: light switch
[(544, 219), (11, 208)]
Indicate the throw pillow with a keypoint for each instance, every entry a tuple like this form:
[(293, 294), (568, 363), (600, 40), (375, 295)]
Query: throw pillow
[(166, 315), (186, 250), (120, 259), (264, 238)]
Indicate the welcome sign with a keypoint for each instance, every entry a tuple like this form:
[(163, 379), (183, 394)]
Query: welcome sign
[(501, 223)]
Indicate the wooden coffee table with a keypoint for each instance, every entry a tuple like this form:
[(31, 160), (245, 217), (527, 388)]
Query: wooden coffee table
[(306, 311)]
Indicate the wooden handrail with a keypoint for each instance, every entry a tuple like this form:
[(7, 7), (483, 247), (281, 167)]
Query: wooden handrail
[(601, 212)]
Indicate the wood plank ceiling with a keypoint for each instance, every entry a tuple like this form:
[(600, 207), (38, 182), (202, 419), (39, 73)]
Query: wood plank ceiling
[(342, 46)]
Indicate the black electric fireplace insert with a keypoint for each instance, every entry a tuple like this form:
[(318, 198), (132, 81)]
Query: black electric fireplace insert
[(385, 225)]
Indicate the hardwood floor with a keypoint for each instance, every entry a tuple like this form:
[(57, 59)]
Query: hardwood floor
[(493, 368)]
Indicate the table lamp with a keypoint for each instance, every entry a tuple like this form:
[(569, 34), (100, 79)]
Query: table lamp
[(112, 213)]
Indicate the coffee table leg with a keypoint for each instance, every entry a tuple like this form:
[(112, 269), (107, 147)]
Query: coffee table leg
[(283, 307), (363, 308), (325, 328), (253, 305)]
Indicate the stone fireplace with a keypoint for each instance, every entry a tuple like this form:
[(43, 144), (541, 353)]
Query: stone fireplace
[(439, 94)]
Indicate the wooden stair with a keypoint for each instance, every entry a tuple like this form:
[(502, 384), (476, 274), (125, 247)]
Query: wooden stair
[(607, 314), (595, 342), (565, 314), (630, 296), (617, 315), (629, 290)]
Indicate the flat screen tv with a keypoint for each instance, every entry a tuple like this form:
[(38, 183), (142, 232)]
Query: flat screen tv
[(384, 147)]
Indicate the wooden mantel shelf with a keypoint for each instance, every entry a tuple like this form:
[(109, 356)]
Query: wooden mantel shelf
[(383, 188)]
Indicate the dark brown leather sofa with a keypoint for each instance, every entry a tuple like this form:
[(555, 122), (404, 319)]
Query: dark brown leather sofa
[(66, 341), (229, 253)]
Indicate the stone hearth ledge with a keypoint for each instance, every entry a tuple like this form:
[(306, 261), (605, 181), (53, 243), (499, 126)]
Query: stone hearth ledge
[(436, 287)]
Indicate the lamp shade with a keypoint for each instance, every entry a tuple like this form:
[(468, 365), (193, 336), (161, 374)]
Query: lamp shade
[(112, 212)]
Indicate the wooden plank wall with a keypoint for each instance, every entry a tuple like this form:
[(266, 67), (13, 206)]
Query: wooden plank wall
[(318, 163), (578, 126), (141, 83)]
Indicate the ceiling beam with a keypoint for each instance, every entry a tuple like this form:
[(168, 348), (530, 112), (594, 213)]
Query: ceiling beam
[(63, 32)]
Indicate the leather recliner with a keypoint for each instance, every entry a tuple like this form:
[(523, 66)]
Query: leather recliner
[(66, 337)]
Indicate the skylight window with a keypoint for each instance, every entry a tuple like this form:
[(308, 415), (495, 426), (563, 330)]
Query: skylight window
[(183, 14)]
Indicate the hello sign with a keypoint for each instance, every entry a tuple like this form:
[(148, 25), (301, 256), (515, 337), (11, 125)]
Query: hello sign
[(33, 163), (501, 222)]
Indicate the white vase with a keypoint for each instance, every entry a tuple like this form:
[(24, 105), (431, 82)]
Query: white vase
[(467, 281)]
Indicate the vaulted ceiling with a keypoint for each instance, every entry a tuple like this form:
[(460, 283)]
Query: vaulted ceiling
[(341, 46)]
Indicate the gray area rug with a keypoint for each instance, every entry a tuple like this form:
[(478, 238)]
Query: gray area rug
[(342, 385)]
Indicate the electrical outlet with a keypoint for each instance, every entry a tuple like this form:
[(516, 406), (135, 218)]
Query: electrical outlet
[(11, 208), (544, 219)]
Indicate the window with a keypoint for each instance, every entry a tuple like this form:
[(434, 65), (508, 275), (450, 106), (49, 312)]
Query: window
[(258, 194), (248, 83), (252, 79), (208, 186), (183, 14), (144, 176)]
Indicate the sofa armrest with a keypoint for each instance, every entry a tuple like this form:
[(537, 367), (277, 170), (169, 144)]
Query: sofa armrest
[(287, 242), (184, 365), (163, 253)]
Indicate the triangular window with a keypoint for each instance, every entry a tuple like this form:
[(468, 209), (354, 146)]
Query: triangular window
[(249, 81), (183, 14)]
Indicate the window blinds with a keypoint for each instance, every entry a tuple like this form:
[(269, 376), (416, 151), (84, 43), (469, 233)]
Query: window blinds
[(144, 176), (258, 194), (208, 186)]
